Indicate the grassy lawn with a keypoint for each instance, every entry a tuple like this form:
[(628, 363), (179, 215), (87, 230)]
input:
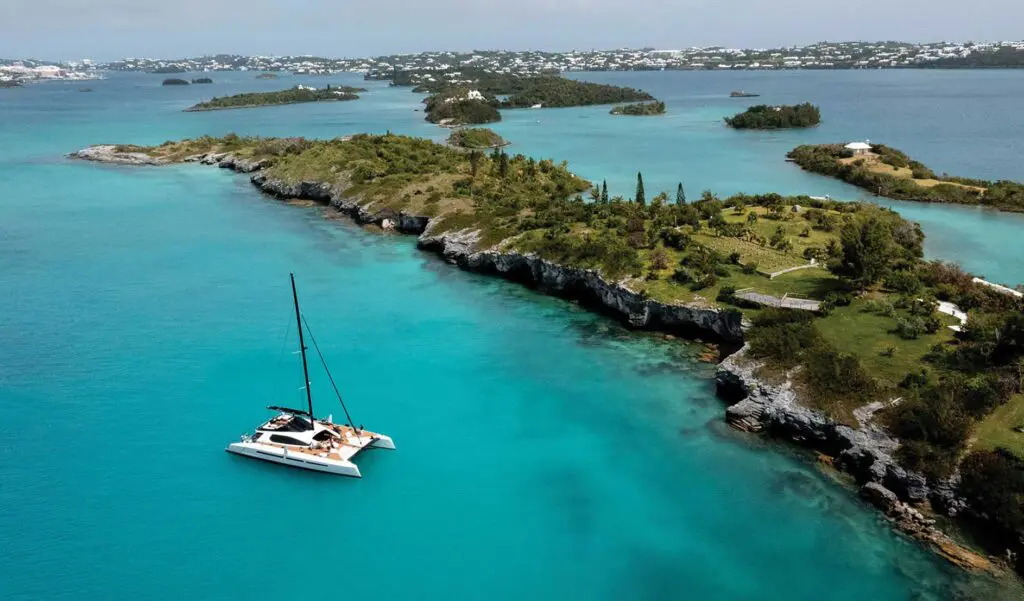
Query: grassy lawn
[(768, 259), (996, 430), (868, 336), (811, 283)]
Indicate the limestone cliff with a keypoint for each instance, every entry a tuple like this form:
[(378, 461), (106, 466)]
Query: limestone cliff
[(462, 249)]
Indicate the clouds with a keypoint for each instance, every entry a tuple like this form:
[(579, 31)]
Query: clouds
[(114, 28)]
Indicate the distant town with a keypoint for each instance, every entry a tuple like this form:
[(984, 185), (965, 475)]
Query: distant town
[(823, 55)]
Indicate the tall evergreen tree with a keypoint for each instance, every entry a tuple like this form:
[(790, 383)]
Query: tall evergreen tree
[(640, 200), (604, 191), (503, 165), (680, 195), (474, 161)]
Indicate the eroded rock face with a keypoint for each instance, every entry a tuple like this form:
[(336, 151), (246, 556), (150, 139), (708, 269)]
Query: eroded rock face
[(866, 452), (461, 248), (584, 284), (107, 153)]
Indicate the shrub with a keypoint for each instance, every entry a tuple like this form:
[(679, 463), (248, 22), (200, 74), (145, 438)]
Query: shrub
[(883, 307), (903, 281), (750, 268), (782, 335), (659, 258), (994, 483), (910, 328), (839, 299)]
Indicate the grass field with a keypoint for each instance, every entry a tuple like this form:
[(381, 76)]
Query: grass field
[(768, 259), (869, 336), (811, 283), (873, 164), (996, 430)]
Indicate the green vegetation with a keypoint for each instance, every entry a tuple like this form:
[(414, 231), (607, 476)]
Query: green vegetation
[(200, 80), (881, 338), (458, 104), (168, 70), (173, 81), (267, 75), (552, 91), (289, 96), (888, 172), (878, 336), (640, 109), (776, 117), (455, 107), (476, 137)]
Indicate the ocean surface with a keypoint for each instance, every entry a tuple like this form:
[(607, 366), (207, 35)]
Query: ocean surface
[(543, 452)]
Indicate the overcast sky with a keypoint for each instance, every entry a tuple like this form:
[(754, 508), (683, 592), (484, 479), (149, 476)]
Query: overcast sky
[(110, 29)]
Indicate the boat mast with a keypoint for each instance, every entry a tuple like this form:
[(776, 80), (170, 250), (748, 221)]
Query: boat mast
[(302, 348)]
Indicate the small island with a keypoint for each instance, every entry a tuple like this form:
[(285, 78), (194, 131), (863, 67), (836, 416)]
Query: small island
[(742, 94), (174, 81), (763, 116), (294, 95), (267, 75), (200, 80), (9, 83), (478, 102), (640, 109), (456, 107), (476, 138), (888, 172)]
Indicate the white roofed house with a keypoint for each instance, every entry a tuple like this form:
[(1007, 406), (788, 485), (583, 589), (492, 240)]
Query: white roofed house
[(859, 148)]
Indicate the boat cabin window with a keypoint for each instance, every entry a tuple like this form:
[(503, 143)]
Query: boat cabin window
[(279, 439), (294, 423), (323, 435)]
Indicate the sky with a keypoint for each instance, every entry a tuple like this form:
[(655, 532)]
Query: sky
[(112, 29)]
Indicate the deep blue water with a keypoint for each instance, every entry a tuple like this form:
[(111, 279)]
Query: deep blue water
[(543, 452)]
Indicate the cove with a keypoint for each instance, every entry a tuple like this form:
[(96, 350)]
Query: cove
[(544, 451)]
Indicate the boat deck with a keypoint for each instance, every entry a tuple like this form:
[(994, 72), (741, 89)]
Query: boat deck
[(348, 444)]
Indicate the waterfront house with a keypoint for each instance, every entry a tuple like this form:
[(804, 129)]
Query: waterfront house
[(859, 148)]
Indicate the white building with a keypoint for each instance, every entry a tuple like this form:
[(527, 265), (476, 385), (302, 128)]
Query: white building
[(859, 148)]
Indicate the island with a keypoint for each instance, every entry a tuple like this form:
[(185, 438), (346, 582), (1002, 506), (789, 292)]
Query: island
[(202, 80), (476, 138), (290, 96), (640, 109), (476, 98), (9, 83), (267, 75), (461, 106), (742, 94), (888, 172), (174, 81), (845, 315), (763, 116)]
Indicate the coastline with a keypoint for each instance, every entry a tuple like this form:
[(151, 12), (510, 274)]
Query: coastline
[(193, 109), (754, 405)]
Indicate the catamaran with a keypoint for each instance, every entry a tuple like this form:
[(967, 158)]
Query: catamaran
[(295, 437)]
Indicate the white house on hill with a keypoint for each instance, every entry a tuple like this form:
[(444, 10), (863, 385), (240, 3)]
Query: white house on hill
[(859, 147)]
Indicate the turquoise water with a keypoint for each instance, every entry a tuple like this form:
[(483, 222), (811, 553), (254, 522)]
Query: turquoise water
[(543, 452)]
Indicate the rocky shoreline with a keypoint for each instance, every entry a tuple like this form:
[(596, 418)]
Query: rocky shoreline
[(460, 248), (866, 453)]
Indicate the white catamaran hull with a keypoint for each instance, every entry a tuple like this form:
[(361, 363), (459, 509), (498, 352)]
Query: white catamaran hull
[(276, 454)]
